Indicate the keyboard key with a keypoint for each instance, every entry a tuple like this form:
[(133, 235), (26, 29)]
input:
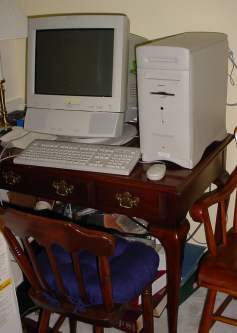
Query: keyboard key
[(80, 156)]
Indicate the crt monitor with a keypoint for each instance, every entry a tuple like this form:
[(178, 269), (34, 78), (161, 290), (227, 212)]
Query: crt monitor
[(79, 81)]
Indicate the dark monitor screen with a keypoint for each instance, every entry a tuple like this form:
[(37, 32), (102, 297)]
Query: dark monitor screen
[(74, 62)]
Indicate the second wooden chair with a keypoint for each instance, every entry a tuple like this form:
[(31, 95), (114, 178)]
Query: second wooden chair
[(218, 269)]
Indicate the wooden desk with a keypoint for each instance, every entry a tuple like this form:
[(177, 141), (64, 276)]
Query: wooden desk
[(163, 203)]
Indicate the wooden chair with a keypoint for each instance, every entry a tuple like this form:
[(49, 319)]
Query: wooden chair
[(218, 268), (81, 274)]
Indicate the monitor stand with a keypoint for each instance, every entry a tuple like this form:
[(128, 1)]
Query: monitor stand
[(21, 138), (129, 132)]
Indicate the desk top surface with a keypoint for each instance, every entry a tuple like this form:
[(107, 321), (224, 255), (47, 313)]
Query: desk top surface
[(175, 180), (132, 195)]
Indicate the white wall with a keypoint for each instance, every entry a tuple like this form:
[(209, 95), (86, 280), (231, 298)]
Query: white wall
[(157, 18), (13, 67)]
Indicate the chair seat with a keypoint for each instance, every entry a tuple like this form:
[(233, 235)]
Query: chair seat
[(221, 270), (81, 274), (133, 267)]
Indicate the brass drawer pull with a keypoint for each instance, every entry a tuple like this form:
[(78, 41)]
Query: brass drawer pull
[(62, 188), (11, 178), (126, 200)]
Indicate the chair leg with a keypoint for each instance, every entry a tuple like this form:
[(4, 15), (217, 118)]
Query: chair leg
[(72, 325), (147, 311), (98, 329), (207, 320), (44, 321)]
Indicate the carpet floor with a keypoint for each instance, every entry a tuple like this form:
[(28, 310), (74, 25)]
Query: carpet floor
[(189, 316)]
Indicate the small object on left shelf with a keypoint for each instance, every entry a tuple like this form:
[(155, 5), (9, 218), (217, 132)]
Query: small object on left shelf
[(3, 121)]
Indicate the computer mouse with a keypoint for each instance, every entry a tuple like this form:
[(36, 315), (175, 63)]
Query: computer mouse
[(156, 171)]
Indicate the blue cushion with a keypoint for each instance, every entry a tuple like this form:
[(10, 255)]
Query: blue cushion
[(133, 267)]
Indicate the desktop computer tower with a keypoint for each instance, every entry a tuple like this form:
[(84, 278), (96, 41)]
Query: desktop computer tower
[(182, 91)]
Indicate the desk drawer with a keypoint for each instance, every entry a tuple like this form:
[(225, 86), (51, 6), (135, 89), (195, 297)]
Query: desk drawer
[(126, 200), (61, 187)]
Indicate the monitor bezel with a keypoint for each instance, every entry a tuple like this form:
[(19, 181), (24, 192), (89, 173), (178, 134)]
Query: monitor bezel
[(115, 103)]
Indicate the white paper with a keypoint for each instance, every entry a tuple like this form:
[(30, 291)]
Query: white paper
[(9, 313)]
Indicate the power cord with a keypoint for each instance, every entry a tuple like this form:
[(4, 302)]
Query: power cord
[(9, 143), (234, 66), (191, 236)]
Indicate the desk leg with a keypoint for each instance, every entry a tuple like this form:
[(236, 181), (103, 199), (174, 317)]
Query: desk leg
[(173, 241)]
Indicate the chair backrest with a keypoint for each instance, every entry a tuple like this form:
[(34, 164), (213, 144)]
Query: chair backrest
[(73, 239), (217, 234)]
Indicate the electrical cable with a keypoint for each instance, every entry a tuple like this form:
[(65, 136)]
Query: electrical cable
[(9, 142), (191, 236), (234, 66), (194, 232), (8, 157), (135, 220)]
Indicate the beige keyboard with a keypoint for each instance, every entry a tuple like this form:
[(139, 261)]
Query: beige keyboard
[(80, 156)]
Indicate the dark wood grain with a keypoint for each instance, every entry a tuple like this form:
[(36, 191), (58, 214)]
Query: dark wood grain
[(218, 269), (73, 239), (164, 204)]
